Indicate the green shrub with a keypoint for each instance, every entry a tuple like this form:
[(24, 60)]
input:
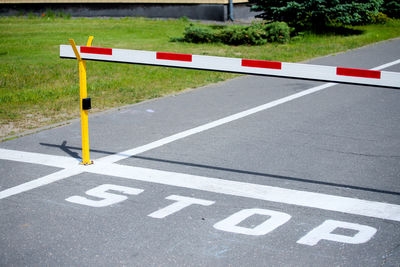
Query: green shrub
[(240, 35), (391, 8), (256, 34), (184, 19), (49, 14), (63, 15), (379, 18), (277, 32), (196, 34), (306, 14), (31, 15)]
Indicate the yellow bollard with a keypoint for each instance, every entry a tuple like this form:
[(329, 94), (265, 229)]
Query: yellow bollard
[(83, 95)]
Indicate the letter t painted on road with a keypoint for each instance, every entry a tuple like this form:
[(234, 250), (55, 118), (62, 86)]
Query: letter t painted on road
[(182, 202)]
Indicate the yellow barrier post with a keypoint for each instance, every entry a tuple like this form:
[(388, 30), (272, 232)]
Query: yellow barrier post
[(83, 97)]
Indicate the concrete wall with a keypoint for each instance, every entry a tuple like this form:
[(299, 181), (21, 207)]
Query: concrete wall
[(217, 12)]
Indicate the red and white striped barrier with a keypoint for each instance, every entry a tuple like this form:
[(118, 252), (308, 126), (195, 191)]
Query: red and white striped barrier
[(237, 65)]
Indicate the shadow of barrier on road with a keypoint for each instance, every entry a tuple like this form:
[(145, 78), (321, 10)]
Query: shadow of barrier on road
[(68, 150)]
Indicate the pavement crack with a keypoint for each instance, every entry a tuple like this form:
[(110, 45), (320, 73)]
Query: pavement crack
[(335, 136), (359, 154)]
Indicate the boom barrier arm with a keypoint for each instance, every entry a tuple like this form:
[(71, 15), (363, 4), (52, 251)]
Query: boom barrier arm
[(237, 65)]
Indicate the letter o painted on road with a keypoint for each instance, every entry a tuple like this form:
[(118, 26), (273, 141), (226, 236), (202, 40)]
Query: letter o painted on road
[(275, 220)]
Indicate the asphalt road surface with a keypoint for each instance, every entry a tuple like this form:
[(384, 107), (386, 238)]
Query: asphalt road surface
[(254, 171)]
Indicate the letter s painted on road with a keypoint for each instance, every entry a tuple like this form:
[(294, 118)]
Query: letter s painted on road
[(107, 199)]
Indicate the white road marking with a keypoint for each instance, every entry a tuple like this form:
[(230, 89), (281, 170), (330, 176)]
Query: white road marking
[(231, 224), (387, 65), (242, 189), (326, 229), (255, 191), (107, 198), (70, 168), (181, 203), (45, 180), (131, 152), (38, 158)]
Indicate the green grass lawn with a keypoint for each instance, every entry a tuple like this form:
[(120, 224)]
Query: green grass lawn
[(37, 88)]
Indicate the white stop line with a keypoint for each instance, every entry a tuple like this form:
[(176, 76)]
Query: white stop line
[(255, 191)]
